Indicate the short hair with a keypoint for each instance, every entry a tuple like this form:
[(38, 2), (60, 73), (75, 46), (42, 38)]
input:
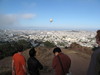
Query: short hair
[(98, 31), (32, 52), (19, 48), (98, 35), (57, 49)]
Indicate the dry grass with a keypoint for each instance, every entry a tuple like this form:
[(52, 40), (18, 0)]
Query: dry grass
[(44, 55)]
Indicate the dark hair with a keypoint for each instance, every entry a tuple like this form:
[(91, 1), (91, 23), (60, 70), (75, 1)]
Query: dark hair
[(32, 52), (57, 49), (19, 48), (98, 31), (98, 35)]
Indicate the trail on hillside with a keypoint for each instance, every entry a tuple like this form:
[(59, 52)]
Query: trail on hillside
[(79, 65)]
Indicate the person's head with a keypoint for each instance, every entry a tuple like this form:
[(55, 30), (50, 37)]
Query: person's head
[(56, 51), (32, 52), (98, 37), (19, 48)]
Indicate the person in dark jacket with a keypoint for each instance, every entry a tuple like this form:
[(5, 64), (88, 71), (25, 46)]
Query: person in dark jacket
[(33, 64), (94, 66), (61, 62)]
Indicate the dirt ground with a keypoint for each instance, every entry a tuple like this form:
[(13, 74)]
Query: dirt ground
[(79, 65)]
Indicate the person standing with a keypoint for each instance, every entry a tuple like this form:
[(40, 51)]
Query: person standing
[(33, 64), (18, 63), (94, 66), (61, 63)]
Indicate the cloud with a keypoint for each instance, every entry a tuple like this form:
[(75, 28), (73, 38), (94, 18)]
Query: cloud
[(8, 19), (28, 16), (14, 19)]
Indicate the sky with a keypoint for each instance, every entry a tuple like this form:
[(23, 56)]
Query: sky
[(36, 14)]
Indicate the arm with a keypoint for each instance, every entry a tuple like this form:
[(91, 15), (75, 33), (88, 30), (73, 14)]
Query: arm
[(40, 66), (13, 68), (24, 68), (23, 62), (69, 62), (54, 62), (92, 65), (98, 64)]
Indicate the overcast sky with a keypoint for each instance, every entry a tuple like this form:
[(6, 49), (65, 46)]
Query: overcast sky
[(36, 14)]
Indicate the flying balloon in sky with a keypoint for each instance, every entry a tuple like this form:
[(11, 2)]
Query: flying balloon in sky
[(51, 20)]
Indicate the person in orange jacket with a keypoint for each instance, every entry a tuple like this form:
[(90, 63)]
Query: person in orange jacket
[(18, 63)]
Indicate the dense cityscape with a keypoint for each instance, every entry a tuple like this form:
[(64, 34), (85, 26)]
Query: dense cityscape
[(59, 38)]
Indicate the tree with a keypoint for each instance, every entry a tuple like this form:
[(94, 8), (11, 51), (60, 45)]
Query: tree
[(49, 44)]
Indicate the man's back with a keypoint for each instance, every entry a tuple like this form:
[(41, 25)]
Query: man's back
[(19, 61), (66, 62)]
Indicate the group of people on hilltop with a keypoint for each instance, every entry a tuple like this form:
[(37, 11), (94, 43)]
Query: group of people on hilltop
[(61, 62)]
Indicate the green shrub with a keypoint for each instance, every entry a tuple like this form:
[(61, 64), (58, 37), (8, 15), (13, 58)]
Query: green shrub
[(61, 44), (24, 43), (9, 48), (49, 44)]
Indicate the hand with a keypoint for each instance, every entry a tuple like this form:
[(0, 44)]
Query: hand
[(13, 73)]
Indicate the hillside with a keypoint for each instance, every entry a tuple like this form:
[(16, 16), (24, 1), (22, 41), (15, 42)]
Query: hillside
[(79, 59)]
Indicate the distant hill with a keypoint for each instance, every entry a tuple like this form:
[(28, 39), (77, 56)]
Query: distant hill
[(78, 47)]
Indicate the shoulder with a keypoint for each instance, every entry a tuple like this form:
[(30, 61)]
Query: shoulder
[(66, 56), (29, 60), (22, 56), (55, 58), (16, 54), (96, 52), (98, 55)]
